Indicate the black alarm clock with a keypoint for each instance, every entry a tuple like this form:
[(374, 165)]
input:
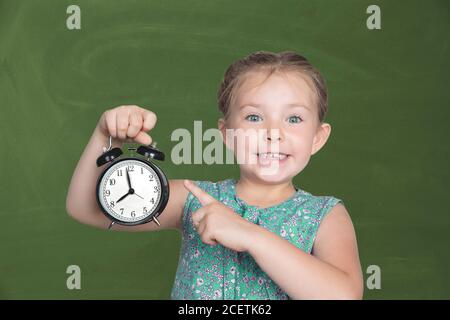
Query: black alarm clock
[(132, 190)]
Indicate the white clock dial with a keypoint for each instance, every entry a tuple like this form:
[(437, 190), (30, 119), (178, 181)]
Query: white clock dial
[(131, 201)]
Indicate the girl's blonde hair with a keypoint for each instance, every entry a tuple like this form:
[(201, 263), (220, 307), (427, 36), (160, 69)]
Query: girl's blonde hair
[(271, 62)]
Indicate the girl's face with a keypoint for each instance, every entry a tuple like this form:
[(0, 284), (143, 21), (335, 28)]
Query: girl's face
[(281, 115)]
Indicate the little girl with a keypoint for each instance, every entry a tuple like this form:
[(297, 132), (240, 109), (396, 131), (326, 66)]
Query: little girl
[(258, 237)]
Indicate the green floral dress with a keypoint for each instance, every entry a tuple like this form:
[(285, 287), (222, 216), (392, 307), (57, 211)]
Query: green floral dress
[(216, 272)]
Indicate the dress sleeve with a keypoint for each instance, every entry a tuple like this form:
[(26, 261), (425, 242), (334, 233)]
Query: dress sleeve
[(328, 203)]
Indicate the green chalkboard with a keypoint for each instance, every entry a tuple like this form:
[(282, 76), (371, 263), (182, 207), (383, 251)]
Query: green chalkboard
[(387, 157)]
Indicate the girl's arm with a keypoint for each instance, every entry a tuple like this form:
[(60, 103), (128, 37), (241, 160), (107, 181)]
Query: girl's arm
[(121, 123), (333, 271)]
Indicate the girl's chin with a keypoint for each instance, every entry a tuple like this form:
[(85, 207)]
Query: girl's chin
[(270, 174), (271, 177)]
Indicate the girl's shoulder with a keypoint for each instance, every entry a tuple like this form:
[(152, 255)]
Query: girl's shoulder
[(318, 205), (307, 197)]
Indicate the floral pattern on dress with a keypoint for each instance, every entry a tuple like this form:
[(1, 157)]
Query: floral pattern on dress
[(207, 272)]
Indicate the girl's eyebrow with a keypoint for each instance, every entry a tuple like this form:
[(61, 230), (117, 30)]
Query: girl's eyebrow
[(297, 105), (292, 105)]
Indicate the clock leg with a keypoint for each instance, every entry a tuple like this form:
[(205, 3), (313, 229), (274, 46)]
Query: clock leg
[(111, 224), (156, 221)]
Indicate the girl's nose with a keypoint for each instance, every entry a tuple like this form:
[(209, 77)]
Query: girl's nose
[(274, 134)]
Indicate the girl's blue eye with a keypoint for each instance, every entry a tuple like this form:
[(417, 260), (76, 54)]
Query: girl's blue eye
[(252, 117), (297, 119)]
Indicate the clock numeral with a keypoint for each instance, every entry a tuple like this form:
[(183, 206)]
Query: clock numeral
[(112, 181), (133, 214), (144, 210), (111, 204), (121, 211), (130, 167), (142, 170), (156, 189), (152, 200), (119, 173), (150, 177), (108, 193)]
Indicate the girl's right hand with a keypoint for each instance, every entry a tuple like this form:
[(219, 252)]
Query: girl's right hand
[(128, 123)]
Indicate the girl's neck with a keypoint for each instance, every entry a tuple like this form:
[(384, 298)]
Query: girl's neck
[(263, 194)]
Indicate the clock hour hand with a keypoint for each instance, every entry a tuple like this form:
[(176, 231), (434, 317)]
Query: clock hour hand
[(123, 197)]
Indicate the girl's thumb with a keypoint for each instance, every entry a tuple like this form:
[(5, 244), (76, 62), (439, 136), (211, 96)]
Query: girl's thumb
[(143, 138)]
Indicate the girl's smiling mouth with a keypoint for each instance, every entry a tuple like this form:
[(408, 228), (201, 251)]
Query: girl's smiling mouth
[(270, 155), (267, 158)]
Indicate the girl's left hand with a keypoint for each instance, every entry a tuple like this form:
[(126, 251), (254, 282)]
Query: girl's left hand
[(217, 223)]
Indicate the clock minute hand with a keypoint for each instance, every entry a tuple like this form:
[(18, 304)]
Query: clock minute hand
[(128, 179)]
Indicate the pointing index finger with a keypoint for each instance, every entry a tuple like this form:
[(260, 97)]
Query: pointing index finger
[(201, 195)]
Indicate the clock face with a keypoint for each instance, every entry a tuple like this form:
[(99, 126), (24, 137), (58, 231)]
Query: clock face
[(129, 190)]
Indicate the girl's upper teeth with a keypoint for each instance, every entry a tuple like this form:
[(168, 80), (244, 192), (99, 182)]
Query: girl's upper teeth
[(272, 155)]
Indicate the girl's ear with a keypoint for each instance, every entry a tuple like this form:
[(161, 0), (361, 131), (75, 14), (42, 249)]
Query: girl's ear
[(221, 126), (322, 134)]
